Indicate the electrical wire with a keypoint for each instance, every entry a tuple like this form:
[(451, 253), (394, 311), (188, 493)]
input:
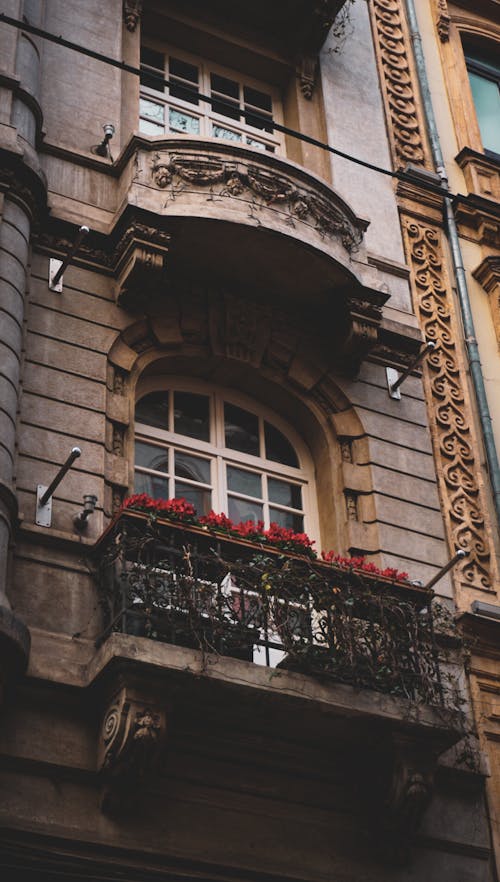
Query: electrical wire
[(400, 175)]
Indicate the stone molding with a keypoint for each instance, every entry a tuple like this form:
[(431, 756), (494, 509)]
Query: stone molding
[(242, 178), (462, 504), (488, 276), (400, 97)]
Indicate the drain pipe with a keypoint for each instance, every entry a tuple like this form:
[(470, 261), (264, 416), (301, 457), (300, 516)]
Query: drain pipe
[(458, 267)]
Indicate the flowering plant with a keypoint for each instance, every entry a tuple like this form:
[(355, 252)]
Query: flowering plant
[(275, 536)]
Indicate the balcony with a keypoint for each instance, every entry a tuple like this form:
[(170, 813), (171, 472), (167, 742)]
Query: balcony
[(210, 211), (256, 637), (186, 586)]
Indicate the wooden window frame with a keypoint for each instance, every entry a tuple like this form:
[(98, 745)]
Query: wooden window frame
[(208, 118)]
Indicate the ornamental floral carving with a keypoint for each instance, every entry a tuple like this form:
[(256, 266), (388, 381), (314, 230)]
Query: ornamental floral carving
[(457, 468), (132, 10), (261, 188), (394, 52)]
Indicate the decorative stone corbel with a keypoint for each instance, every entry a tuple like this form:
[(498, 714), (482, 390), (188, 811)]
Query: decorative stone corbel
[(409, 794), (443, 21), (132, 10), (141, 263), (131, 743), (364, 309), (488, 276), (240, 328)]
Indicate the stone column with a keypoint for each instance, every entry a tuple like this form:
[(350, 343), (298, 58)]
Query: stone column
[(22, 193)]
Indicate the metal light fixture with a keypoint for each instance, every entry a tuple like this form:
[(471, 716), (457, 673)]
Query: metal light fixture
[(89, 504), (102, 149)]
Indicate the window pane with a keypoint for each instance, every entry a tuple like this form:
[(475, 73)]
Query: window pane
[(232, 111), (253, 143), (241, 429), (242, 510), (278, 448), (183, 122), (486, 94), (284, 493), (150, 128), (258, 99), (287, 519), (151, 457), (153, 79), (191, 415), (153, 410), (225, 86), (184, 70), (259, 122), (152, 58), (152, 110), (192, 467), (245, 482), (226, 134), (153, 485), (184, 93), (201, 499)]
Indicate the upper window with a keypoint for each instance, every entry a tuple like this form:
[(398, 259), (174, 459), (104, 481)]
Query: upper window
[(484, 77), (222, 454), (240, 110)]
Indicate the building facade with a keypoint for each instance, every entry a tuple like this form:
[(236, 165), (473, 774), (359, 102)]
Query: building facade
[(183, 699)]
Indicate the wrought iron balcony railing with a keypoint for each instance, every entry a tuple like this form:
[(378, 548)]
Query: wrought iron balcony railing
[(181, 585)]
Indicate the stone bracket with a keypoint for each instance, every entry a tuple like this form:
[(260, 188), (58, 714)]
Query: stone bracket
[(131, 744), (141, 263), (364, 313), (411, 784)]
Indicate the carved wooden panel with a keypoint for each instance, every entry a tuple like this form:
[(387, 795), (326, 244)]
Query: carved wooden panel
[(446, 396), (393, 50)]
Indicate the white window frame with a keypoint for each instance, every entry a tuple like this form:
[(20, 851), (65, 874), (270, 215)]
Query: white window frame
[(220, 455), (204, 112)]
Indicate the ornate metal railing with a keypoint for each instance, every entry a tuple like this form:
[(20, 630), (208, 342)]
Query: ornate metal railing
[(181, 585)]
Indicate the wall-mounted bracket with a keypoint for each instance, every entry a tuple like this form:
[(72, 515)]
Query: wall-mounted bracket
[(57, 267), (43, 514), (395, 380)]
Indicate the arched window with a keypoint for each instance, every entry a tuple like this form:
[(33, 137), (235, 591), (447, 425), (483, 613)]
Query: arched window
[(224, 453)]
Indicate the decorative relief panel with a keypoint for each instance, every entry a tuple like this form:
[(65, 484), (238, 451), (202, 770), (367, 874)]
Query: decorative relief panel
[(260, 188), (457, 468), (401, 101)]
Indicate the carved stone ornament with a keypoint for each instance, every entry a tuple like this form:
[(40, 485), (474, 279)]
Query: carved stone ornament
[(409, 795), (306, 73), (132, 10), (364, 315), (179, 172), (393, 52), (456, 464), (488, 275), (131, 743), (141, 257), (443, 21), (239, 328)]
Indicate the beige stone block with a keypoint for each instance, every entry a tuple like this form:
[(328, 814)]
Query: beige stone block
[(116, 469), (64, 387), (83, 303), (356, 477), (405, 487), (409, 516), (70, 330), (77, 423), (347, 424), (363, 536), (402, 459), (64, 356), (387, 428), (51, 446), (122, 356), (118, 408)]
